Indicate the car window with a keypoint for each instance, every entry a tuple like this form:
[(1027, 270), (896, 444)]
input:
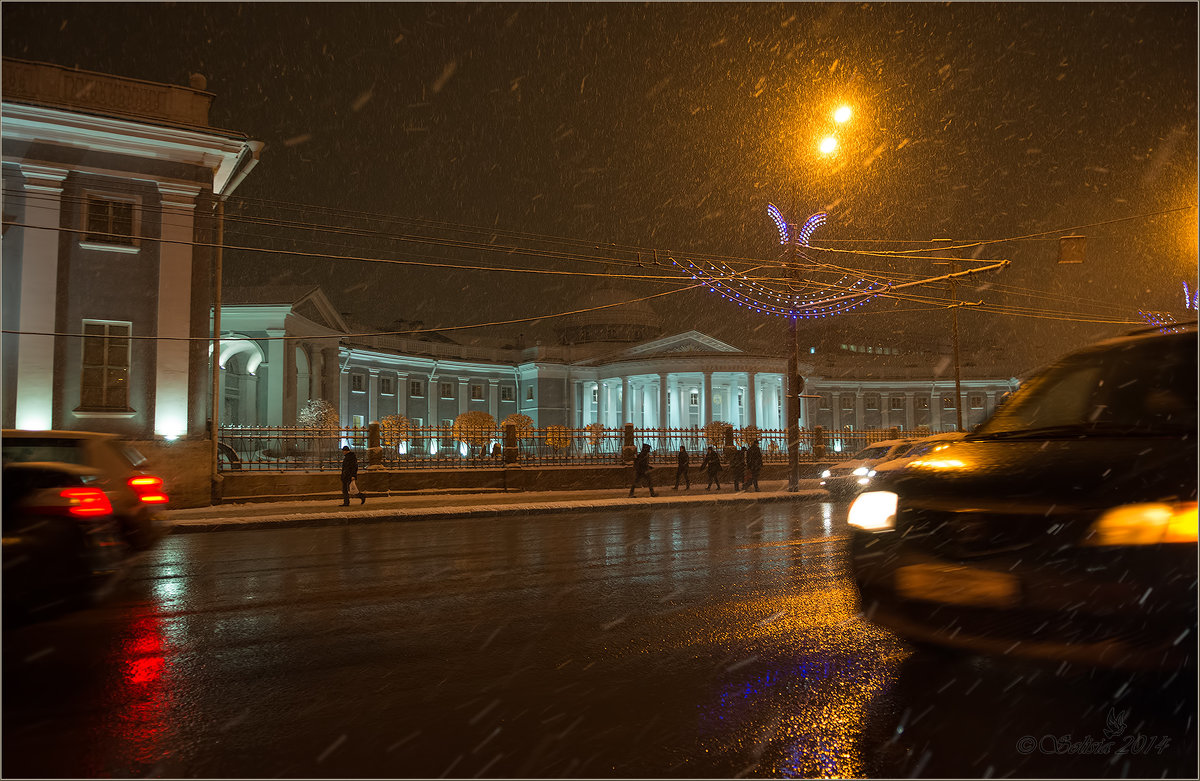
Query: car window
[(1147, 385), (872, 452), (901, 450), (17, 449)]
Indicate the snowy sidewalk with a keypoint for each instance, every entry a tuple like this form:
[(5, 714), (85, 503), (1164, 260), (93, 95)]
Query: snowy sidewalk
[(441, 504)]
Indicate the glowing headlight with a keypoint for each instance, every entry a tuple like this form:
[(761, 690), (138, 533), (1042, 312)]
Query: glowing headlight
[(862, 470), (1145, 524), (826, 474), (874, 511)]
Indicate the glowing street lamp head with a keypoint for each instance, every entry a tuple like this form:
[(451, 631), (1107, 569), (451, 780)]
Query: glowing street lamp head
[(842, 114), (828, 145)]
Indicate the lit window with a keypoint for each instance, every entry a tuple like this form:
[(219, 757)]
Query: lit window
[(922, 402), (109, 222), (416, 388), (357, 421), (477, 393), (104, 383), (695, 399), (446, 390), (947, 402)]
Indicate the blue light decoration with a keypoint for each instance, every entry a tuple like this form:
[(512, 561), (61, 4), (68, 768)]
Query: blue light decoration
[(1191, 298), (805, 299)]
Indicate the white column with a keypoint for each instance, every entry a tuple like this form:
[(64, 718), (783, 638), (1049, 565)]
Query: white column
[(602, 403), (660, 418), (221, 372), (494, 399), (859, 401), (752, 399), (780, 412), (705, 401), (683, 407), (39, 296), (275, 373), (372, 395), (885, 406), (174, 308), (249, 401), (909, 412), (316, 368), (402, 393), (626, 400), (463, 395)]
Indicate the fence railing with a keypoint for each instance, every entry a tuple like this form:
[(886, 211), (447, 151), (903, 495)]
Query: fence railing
[(438, 447)]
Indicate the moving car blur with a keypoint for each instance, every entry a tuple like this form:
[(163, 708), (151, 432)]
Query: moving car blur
[(76, 506), (921, 447), (849, 477), (1064, 527)]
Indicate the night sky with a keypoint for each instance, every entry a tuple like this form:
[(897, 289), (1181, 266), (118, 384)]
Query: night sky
[(670, 127)]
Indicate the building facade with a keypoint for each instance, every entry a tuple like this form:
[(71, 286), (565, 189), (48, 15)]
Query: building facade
[(111, 188)]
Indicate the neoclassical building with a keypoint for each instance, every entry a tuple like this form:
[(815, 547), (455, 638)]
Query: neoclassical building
[(111, 193), (284, 346)]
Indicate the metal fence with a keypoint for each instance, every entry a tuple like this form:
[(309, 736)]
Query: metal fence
[(273, 449)]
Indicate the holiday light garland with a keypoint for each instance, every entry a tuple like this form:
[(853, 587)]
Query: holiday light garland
[(782, 298)]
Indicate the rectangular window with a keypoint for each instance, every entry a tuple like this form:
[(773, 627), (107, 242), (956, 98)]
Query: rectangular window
[(385, 386), (446, 390), (897, 403), (823, 401), (104, 382), (506, 393), (416, 389), (740, 401), (871, 401), (976, 400), (922, 402), (109, 221), (595, 395), (447, 432), (476, 393), (695, 399), (947, 402), (358, 421), (529, 393), (847, 401), (358, 383)]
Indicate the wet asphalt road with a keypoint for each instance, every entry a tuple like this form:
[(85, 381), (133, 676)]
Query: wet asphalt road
[(711, 642)]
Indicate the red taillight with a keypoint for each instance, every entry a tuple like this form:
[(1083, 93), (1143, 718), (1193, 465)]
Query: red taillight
[(86, 502), (148, 489)]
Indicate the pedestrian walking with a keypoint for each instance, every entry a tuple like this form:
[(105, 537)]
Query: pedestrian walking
[(641, 470), (737, 465), (682, 460), (712, 463), (350, 477), (753, 465)]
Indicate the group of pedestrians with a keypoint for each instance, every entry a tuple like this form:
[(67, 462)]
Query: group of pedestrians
[(745, 463)]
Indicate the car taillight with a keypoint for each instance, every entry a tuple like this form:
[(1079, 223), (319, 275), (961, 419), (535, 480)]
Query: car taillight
[(148, 488), (86, 502)]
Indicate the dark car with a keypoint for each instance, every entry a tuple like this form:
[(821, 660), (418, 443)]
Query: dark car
[(61, 538), (850, 476), (137, 497), (1064, 527)]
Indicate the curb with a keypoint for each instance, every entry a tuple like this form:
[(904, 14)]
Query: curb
[(477, 511)]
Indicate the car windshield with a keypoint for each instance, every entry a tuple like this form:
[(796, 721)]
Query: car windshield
[(1145, 386), (872, 452)]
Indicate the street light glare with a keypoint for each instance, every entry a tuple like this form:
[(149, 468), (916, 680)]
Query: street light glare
[(842, 114), (828, 145)]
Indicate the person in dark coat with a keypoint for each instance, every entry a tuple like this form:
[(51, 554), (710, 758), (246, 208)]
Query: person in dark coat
[(737, 465), (349, 474), (712, 462), (681, 468), (753, 465), (641, 470)]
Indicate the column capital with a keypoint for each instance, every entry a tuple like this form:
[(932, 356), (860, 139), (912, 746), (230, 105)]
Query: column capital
[(177, 195)]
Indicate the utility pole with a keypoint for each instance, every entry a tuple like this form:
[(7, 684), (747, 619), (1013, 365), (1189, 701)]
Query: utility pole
[(793, 377), (957, 365)]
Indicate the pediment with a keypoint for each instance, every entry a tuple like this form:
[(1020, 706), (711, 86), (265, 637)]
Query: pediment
[(687, 342), (316, 308)]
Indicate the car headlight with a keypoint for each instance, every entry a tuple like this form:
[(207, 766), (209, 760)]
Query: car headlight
[(874, 511), (826, 474), (1145, 524), (859, 472)]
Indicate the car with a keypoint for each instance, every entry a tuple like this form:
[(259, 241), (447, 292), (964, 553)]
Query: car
[(62, 541), (1062, 528), (848, 477), (138, 498), (919, 448)]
